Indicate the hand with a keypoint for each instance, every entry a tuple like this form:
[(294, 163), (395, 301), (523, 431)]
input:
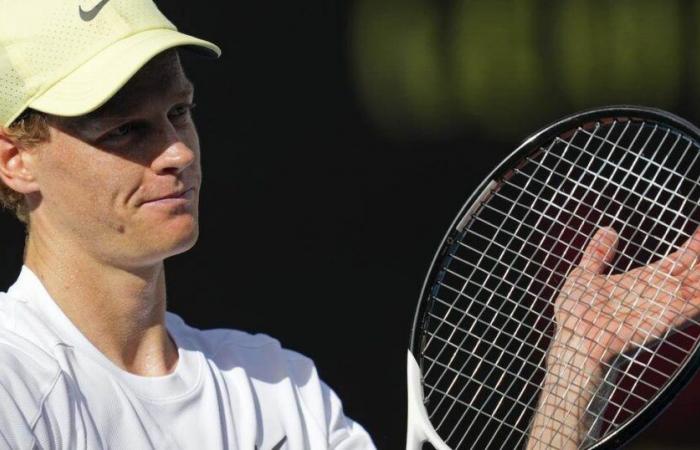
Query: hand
[(598, 316), (604, 315)]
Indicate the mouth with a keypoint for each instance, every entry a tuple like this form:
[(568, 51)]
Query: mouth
[(173, 198)]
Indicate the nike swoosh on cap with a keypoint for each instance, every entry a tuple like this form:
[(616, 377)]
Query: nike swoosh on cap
[(87, 16), (277, 446)]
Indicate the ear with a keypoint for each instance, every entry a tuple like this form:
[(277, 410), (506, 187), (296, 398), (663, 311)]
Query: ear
[(16, 165)]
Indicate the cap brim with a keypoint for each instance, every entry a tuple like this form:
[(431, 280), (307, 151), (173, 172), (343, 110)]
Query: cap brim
[(96, 81)]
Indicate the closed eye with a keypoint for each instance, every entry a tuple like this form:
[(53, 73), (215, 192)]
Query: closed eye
[(122, 130), (123, 134), (182, 110)]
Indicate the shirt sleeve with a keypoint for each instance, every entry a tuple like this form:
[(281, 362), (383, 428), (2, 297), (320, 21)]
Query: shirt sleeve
[(35, 405), (15, 430), (343, 432)]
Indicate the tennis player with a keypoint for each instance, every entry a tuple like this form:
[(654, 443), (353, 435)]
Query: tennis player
[(597, 316), (100, 158)]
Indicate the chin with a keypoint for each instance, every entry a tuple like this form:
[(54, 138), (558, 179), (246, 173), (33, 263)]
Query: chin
[(172, 241), (185, 241)]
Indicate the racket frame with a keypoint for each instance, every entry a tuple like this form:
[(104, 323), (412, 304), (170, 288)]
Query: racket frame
[(416, 434)]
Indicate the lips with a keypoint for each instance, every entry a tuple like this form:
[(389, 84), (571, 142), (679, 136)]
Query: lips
[(172, 195)]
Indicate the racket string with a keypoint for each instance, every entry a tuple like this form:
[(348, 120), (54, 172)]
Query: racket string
[(565, 219), (659, 166), (516, 375), (464, 312), (561, 275)]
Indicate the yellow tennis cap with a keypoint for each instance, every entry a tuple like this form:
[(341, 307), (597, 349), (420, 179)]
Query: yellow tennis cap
[(69, 57)]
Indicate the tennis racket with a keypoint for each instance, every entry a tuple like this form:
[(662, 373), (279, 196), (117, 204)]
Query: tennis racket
[(560, 310)]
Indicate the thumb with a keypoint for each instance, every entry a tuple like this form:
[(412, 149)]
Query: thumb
[(599, 251)]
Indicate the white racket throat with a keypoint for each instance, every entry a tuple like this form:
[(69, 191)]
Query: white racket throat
[(419, 427)]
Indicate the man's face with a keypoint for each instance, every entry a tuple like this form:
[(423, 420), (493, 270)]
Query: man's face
[(101, 176)]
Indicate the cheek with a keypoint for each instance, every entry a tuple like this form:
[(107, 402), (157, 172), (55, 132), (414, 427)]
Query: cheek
[(87, 183)]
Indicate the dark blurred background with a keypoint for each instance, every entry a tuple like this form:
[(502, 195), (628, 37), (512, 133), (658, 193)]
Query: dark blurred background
[(340, 138)]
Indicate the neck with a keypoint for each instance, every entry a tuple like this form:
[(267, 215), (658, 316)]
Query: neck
[(120, 311)]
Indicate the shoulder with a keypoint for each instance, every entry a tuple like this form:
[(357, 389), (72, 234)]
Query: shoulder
[(19, 357), (28, 371), (24, 359), (28, 377), (22, 362)]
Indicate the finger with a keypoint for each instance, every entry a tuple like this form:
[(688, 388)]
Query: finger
[(682, 259), (599, 251), (668, 311), (664, 305), (690, 288)]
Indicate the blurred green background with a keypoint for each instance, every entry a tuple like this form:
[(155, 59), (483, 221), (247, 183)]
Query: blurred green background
[(501, 67)]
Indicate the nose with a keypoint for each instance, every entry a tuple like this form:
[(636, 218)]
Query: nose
[(175, 156)]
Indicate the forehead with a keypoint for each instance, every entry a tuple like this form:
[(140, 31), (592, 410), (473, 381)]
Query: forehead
[(161, 77)]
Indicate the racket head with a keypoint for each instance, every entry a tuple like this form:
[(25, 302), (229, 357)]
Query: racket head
[(417, 360)]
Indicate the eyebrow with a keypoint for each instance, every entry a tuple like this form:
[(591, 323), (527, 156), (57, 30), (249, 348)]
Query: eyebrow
[(119, 106), (117, 109)]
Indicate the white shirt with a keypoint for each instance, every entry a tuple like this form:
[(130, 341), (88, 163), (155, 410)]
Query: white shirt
[(229, 390)]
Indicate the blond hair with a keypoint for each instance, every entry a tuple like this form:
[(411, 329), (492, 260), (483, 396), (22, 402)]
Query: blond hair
[(27, 131)]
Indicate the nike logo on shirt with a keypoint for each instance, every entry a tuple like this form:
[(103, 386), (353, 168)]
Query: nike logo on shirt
[(87, 16), (277, 446)]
